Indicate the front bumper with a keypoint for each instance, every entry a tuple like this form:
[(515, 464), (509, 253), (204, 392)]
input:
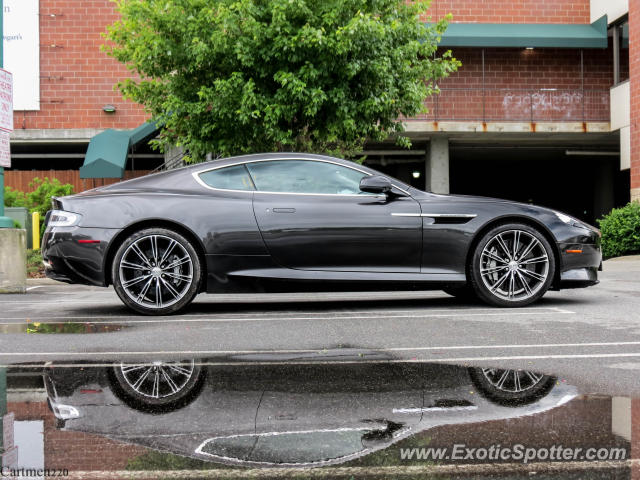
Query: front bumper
[(580, 263), (69, 258)]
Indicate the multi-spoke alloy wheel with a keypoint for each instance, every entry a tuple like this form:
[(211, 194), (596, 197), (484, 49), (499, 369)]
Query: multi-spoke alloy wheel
[(156, 271), (157, 379), (513, 266), (165, 384), (511, 387), (513, 381)]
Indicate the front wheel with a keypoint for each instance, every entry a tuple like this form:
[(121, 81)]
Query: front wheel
[(512, 266), (511, 387), (156, 272)]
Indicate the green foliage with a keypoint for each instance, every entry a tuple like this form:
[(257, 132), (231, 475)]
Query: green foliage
[(39, 200), (153, 460), (35, 268), (14, 198), (239, 76), (621, 231), (16, 224)]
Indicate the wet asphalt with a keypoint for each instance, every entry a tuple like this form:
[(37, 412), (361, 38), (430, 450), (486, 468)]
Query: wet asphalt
[(588, 337)]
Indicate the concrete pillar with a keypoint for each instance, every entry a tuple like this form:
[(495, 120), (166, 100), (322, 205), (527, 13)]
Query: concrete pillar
[(604, 197), (13, 260), (621, 417), (173, 158), (437, 166)]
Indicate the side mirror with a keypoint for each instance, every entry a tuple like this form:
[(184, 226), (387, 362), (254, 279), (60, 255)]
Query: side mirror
[(375, 184)]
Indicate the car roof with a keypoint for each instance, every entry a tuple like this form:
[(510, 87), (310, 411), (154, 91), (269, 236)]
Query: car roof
[(267, 156), (167, 179)]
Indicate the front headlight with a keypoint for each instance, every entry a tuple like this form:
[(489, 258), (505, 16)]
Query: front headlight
[(60, 218), (565, 218), (574, 222)]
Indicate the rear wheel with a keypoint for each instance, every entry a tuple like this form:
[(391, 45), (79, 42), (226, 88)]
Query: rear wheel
[(156, 272), (161, 385), (512, 266)]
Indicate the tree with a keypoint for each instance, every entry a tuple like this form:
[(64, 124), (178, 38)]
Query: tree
[(240, 76)]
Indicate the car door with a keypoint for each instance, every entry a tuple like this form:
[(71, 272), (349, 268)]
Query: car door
[(313, 216)]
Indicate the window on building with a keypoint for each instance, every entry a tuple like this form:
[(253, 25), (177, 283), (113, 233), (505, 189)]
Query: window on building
[(620, 35)]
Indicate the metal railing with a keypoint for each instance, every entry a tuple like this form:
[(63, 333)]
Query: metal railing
[(518, 105), (176, 161)]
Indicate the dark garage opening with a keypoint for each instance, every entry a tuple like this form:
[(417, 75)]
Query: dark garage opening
[(585, 186)]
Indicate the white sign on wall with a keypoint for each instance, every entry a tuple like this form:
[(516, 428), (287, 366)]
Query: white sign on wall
[(6, 101), (6, 117), (5, 149), (21, 43)]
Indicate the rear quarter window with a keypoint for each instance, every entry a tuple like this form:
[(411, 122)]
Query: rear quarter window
[(235, 177)]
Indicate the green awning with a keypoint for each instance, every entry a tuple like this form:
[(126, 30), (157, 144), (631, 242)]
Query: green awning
[(527, 35), (107, 154)]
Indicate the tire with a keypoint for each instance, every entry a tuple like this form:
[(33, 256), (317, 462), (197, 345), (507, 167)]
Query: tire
[(155, 393), (512, 265), (532, 386), (156, 271), (463, 293)]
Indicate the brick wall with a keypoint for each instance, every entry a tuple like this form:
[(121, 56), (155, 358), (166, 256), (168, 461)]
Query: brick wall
[(519, 85), (512, 11), (20, 179), (75, 451), (634, 79), (77, 79)]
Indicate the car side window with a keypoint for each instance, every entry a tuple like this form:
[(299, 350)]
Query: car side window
[(229, 178), (305, 176)]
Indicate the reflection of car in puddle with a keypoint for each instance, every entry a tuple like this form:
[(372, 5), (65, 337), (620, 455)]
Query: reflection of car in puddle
[(296, 415)]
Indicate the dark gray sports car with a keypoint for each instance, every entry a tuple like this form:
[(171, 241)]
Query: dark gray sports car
[(298, 221)]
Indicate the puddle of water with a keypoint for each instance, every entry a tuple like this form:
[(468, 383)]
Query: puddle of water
[(61, 327), (350, 421)]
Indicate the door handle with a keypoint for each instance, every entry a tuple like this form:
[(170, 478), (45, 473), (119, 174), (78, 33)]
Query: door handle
[(284, 210)]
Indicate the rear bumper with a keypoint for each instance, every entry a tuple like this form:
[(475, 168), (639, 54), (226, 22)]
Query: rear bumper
[(68, 259)]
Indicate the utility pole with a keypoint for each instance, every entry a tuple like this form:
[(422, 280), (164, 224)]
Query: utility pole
[(5, 222)]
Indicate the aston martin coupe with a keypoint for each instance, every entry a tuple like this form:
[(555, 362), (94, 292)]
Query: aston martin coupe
[(292, 222)]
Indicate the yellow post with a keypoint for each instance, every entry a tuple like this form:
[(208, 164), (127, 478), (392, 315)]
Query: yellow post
[(35, 230)]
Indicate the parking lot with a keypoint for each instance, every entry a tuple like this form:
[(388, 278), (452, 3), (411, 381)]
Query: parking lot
[(590, 337)]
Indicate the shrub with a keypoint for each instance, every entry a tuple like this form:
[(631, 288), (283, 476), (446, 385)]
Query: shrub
[(621, 231), (39, 200), (14, 198)]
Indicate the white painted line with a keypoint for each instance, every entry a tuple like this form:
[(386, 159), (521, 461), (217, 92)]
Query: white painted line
[(204, 353), (33, 288), (328, 316), (315, 312), (278, 315), (434, 409)]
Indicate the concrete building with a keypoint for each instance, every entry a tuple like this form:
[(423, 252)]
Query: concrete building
[(542, 109)]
